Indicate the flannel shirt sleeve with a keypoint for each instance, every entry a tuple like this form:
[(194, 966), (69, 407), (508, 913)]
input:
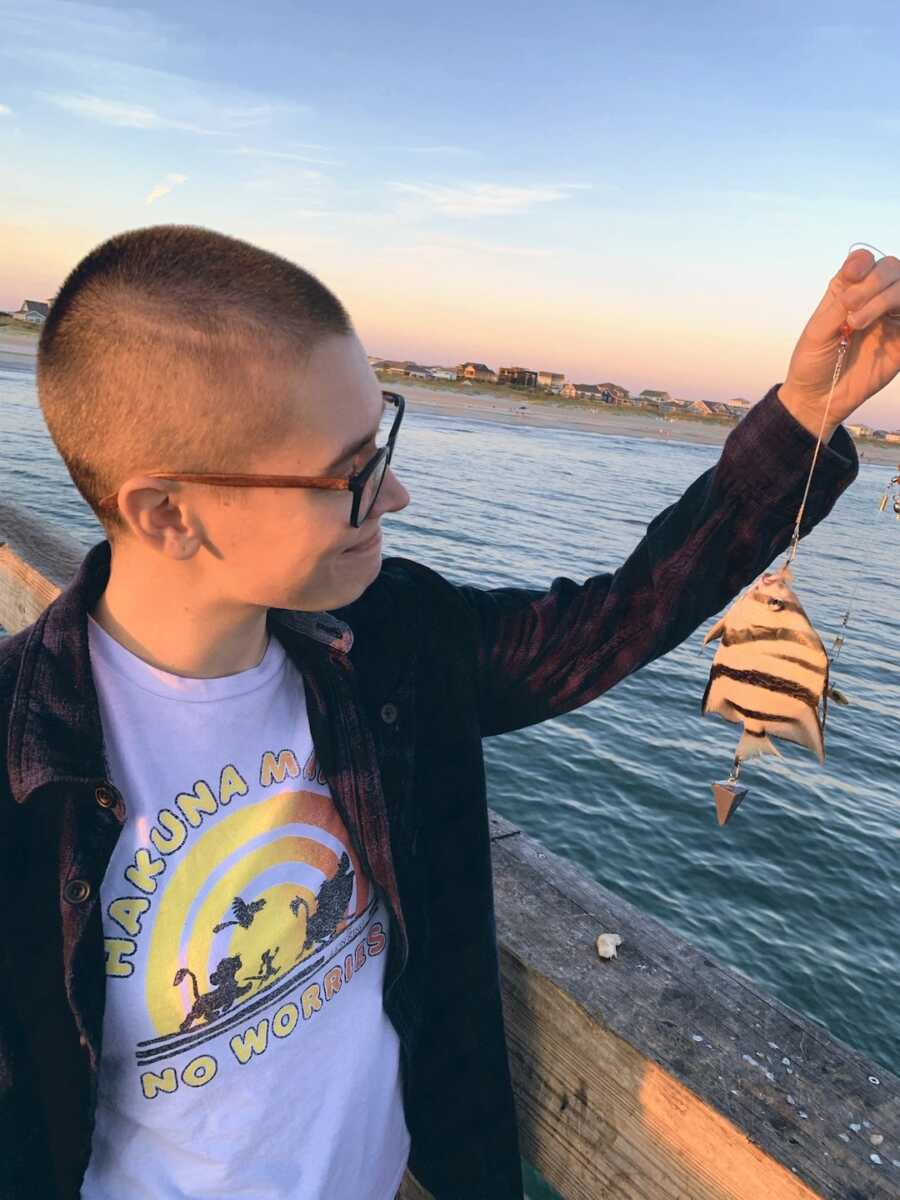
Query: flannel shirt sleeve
[(543, 652)]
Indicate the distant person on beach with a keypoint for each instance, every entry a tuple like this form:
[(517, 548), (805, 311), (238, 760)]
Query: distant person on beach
[(249, 938)]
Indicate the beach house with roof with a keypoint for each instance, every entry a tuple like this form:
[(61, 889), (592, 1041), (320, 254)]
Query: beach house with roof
[(517, 377), (584, 391), (551, 380), (477, 371), (33, 312), (613, 393)]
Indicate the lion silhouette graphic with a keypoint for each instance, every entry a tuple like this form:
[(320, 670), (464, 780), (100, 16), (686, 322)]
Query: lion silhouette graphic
[(212, 1004)]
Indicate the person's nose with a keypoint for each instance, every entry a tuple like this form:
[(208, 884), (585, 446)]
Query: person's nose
[(393, 495)]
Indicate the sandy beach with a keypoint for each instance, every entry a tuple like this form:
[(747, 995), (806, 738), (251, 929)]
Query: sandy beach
[(18, 345), (485, 406), (617, 422)]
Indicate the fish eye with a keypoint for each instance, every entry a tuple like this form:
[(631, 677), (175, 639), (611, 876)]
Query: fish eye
[(774, 602)]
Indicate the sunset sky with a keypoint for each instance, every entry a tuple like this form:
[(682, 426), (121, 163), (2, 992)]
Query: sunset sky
[(646, 193)]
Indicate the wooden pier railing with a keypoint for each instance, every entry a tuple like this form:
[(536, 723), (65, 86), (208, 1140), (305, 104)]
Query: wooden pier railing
[(656, 1075)]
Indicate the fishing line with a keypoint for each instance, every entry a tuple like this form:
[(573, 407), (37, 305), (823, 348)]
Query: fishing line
[(843, 347), (729, 793)]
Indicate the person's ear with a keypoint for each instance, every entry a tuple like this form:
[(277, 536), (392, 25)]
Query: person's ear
[(160, 516)]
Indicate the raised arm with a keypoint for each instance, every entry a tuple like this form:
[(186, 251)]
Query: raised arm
[(546, 652)]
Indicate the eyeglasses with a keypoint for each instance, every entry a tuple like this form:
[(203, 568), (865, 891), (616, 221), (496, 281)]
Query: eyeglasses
[(364, 485)]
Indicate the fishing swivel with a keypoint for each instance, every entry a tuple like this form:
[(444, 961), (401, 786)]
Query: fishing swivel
[(887, 497), (729, 793)]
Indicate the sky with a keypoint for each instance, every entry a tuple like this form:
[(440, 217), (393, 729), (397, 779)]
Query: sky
[(652, 194)]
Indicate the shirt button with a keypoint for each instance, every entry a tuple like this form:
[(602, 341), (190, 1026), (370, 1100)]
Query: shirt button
[(77, 891), (105, 797), (389, 713)]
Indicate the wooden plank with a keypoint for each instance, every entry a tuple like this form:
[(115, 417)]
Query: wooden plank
[(35, 562), (54, 553), (660, 1073), (24, 592)]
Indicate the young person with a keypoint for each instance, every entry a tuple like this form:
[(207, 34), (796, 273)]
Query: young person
[(249, 943)]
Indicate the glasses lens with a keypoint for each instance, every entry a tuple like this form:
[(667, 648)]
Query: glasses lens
[(372, 488)]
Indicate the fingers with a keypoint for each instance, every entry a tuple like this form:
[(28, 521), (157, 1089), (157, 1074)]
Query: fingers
[(876, 293), (887, 301), (856, 267)]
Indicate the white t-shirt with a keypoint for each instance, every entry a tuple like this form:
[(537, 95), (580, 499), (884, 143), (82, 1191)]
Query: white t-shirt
[(246, 1050)]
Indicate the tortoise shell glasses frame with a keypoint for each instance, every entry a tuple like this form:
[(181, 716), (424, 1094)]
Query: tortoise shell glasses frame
[(353, 483)]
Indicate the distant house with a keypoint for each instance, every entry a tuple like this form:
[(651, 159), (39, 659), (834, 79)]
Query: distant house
[(880, 434), (738, 402), (649, 396), (374, 360), (420, 373), (701, 408), (477, 371), (892, 437), (393, 366), (550, 380), (613, 393), (34, 312), (443, 372), (517, 377), (585, 391), (859, 430)]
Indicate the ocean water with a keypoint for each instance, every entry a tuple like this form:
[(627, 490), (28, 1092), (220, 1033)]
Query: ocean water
[(801, 890)]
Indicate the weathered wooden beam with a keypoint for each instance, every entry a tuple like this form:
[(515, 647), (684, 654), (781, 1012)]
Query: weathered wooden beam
[(662, 1074), (35, 562), (657, 1075)]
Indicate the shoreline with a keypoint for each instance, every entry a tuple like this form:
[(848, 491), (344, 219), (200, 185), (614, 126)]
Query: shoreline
[(606, 422), (486, 406)]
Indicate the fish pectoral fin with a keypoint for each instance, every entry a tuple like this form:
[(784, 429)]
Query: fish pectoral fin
[(835, 695), (716, 632)]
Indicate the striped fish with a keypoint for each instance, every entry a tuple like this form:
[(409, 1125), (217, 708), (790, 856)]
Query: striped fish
[(770, 672)]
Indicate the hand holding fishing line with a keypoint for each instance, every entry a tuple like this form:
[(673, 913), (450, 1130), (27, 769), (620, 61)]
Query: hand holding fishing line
[(865, 294), (771, 673)]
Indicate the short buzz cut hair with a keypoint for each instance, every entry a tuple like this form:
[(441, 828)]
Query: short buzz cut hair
[(159, 353)]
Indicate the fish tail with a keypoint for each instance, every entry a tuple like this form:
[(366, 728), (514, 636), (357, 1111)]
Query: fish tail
[(755, 742)]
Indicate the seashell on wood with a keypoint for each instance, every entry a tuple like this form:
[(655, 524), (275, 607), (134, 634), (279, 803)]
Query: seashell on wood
[(606, 945)]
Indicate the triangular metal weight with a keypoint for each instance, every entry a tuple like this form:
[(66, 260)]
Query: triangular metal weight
[(727, 796)]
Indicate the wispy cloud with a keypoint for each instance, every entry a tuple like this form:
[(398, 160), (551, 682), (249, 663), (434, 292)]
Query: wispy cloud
[(456, 246), (287, 155), (164, 187), (287, 182), (123, 114), (5, 110), (482, 199), (426, 150), (69, 22)]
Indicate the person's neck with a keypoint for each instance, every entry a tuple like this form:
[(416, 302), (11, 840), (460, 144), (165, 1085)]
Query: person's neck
[(157, 614)]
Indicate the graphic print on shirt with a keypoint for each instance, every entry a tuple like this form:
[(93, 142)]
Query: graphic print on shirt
[(227, 917)]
